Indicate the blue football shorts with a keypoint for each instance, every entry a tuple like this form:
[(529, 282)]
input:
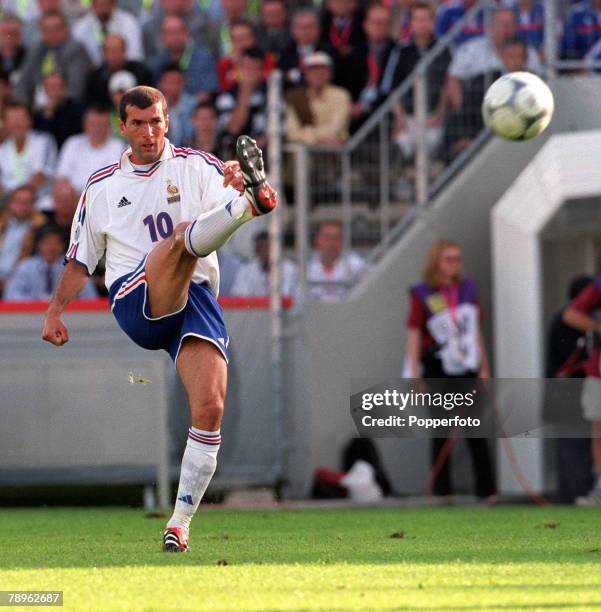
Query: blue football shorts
[(201, 317)]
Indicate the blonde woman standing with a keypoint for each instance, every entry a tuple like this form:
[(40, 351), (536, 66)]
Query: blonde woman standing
[(444, 340)]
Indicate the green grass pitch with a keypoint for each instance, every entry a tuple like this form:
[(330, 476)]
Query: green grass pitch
[(505, 558)]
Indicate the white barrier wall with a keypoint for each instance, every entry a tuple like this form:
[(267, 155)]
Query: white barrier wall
[(564, 171), (70, 414)]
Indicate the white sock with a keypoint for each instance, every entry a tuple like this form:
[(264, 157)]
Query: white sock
[(198, 466), (212, 229)]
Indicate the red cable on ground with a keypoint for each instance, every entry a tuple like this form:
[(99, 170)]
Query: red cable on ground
[(444, 452), (438, 464)]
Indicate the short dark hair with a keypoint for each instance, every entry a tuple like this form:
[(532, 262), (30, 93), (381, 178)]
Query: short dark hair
[(577, 284), (141, 96), (205, 104), (244, 23), (254, 53), (422, 5), (515, 40), (12, 104), (48, 229), (57, 14), (172, 67), (23, 187), (98, 108)]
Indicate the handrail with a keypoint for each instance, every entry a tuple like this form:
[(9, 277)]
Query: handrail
[(402, 89)]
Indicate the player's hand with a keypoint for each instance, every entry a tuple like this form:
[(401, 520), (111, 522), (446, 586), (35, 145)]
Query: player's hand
[(55, 331), (232, 175)]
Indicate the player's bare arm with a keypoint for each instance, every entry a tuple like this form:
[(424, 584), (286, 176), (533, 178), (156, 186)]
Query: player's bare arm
[(72, 281)]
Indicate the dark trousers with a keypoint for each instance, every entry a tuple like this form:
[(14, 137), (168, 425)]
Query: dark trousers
[(481, 461), (478, 447)]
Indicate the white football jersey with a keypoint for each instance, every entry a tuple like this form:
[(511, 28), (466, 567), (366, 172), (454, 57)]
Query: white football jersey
[(125, 211)]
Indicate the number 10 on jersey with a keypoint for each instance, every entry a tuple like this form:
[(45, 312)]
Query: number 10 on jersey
[(162, 226)]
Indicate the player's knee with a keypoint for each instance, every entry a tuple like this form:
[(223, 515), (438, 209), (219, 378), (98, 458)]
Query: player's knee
[(178, 236), (208, 412)]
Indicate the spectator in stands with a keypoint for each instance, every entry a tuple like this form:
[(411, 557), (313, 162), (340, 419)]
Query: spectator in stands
[(243, 37), (204, 31), (252, 277), (196, 62), (243, 109), (462, 126), (233, 10), (344, 37), (452, 12), (27, 157), (580, 314), (99, 146), (60, 216), (119, 83), (483, 55), (374, 58), (181, 104), (306, 32), (205, 136), (32, 26), (318, 112), (566, 358), (60, 116), (273, 30), (91, 30), (36, 277), (56, 51), (530, 16), (453, 348), (403, 61), (331, 270), (114, 49), (12, 51), (401, 20), (582, 29), (15, 222)]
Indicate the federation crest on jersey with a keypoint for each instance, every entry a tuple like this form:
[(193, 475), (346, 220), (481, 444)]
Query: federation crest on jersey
[(172, 193)]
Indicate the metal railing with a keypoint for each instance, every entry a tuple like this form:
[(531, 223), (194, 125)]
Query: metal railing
[(364, 183)]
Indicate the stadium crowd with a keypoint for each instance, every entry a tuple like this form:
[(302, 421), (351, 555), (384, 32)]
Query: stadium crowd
[(64, 65)]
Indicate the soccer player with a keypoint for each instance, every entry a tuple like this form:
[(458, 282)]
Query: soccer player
[(159, 215)]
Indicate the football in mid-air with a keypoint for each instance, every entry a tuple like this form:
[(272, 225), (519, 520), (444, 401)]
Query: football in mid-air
[(518, 106)]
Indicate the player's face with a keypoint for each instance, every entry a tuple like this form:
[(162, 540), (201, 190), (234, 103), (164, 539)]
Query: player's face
[(144, 130)]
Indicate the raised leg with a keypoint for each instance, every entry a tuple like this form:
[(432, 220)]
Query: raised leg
[(169, 269)]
